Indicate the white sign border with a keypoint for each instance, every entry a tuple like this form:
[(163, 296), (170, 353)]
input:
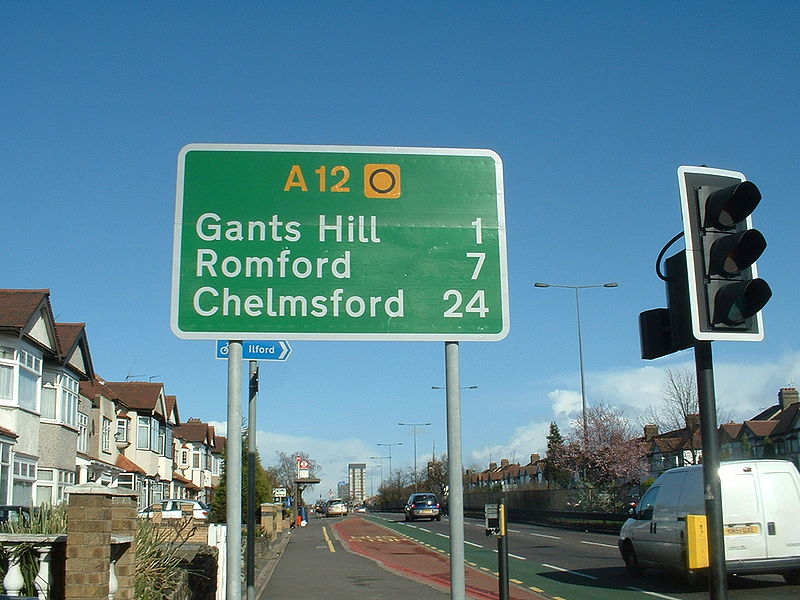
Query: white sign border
[(410, 337)]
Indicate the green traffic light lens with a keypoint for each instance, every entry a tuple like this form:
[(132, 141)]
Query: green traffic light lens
[(736, 302)]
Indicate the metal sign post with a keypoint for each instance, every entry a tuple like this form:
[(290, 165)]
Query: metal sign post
[(233, 469), (455, 482)]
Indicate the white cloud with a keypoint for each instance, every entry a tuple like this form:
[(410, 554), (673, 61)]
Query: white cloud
[(526, 440), (332, 455), (565, 403), (742, 390)]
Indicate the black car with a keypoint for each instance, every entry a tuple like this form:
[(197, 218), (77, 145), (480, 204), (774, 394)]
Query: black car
[(423, 506)]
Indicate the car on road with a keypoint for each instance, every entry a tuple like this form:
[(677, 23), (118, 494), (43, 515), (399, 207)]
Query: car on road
[(172, 509), (423, 506), (336, 508)]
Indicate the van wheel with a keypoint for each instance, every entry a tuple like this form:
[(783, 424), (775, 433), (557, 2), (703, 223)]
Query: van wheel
[(792, 577), (632, 566)]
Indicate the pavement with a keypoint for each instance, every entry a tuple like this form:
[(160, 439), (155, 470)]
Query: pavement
[(355, 558)]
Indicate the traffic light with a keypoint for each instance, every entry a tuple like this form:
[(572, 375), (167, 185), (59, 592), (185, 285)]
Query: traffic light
[(725, 293)]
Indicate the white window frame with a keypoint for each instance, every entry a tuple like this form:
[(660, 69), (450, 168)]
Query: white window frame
[(143, 432), (105, 435), (121, 434), (83, 432)]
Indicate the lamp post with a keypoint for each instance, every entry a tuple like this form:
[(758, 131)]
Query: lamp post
[(380, 458), (389, 445), (415, 425), (577, 289)]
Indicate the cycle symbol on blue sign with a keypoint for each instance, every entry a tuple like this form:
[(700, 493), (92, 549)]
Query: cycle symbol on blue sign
[(276, 350)]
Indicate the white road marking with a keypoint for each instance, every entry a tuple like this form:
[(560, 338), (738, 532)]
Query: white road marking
[(555, 568), (544, 535), (599, 544), (657, 595)]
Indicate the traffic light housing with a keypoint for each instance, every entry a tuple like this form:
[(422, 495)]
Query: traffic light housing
[(725, 292)]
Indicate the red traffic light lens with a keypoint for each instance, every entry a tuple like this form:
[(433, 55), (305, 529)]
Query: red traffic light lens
[(731, 205)]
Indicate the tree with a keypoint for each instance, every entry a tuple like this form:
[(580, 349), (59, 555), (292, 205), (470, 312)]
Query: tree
[(557, 471), (436, 476), (607, 456), (263, 483), (285, 471), (679, 411)]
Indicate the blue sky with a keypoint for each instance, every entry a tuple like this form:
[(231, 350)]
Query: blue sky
[(592, 107)]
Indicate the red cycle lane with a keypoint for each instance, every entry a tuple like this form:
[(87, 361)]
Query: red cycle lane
[(411, 559)]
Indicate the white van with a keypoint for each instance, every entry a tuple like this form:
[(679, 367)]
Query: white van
[(761, 518)]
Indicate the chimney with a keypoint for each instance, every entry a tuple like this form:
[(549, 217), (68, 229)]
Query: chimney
[(492, 466), (194, 420), (534, 458), (693, 421), (787, 397), (650, 431)]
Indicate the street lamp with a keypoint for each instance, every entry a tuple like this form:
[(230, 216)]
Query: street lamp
[(390, 453), (577, 288), (380, 458), (415, 425)]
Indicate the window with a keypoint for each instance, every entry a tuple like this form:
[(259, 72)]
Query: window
[(122, 430), (154, 435), (24, 477), (644, 511), (185, 458), (170, 449), (125, 480), (195, 459), (5, 471), (30, 369), (162, 439), (105, 435), (83, 432), (143, 433), (69, 387), (6, 382), (48, 409)]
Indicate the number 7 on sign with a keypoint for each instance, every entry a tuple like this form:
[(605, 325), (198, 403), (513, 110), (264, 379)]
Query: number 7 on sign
[(481, 256)]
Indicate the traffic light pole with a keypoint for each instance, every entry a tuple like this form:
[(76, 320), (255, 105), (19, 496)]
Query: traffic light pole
[(711, 483)]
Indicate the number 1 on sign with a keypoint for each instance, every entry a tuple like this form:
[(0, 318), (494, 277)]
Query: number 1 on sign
[(477, 223)]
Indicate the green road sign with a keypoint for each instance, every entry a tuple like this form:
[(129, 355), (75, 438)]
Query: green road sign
[(339, 242)]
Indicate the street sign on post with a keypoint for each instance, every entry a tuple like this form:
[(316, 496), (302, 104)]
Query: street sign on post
[(339, 242), (278, 350)]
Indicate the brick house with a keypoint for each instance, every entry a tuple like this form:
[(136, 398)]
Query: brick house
[(675, 448), (41, 366), (773, 433), (61, 424), (509, 475)]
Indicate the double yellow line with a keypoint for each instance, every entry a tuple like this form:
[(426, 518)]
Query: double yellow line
[(328, 539)]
